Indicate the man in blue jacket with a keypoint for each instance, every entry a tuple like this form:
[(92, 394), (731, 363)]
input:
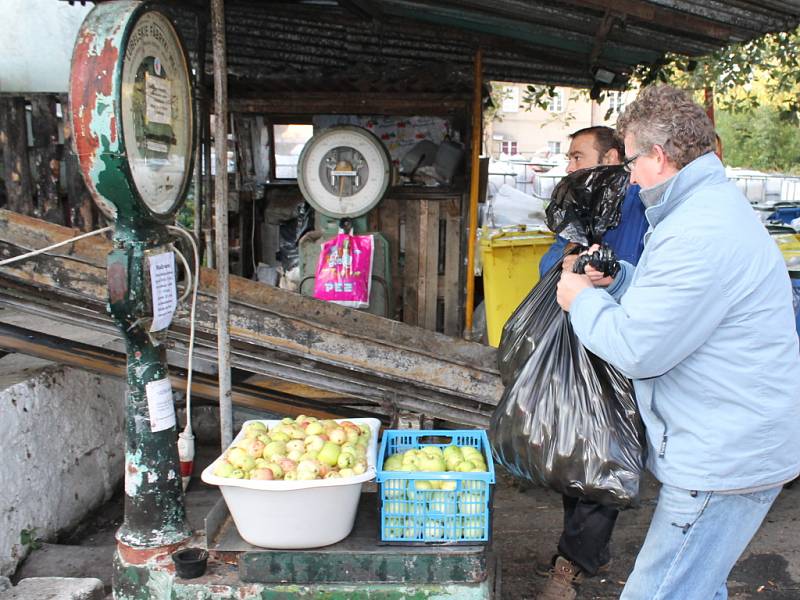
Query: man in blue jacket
[(704, 327), (583, 548)]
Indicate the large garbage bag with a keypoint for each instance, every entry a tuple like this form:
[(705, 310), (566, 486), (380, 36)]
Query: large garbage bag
[(567, 419), (584, 205), (587, 203)]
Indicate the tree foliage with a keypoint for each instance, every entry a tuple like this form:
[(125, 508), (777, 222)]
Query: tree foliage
[(743, 76), (759, 139)]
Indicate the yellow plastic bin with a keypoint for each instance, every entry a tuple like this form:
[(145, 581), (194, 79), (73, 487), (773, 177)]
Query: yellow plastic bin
[(510, 269), (789, 244)]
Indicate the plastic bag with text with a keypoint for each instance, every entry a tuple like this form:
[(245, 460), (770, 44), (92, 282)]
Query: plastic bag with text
[(344, 270), (567, 419)]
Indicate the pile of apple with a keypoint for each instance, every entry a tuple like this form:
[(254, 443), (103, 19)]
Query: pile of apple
[(299, 449), (435, 509)]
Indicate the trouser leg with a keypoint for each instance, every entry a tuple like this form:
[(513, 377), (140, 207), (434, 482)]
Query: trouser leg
[(693, 542), (587, 532)]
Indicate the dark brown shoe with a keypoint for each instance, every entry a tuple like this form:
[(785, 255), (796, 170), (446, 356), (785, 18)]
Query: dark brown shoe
[(563, 578), (543, 569)]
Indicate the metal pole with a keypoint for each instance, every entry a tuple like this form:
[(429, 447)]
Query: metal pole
[(200, 115), (221, 222), (477, 120)]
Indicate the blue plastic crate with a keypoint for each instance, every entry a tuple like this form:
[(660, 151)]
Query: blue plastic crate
[(785, 214), (412, 513)]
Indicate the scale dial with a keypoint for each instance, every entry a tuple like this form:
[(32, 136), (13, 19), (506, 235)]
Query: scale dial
[(344, 171), (132, 111)]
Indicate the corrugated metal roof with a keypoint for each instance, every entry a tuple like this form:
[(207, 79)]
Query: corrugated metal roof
[(317, 44)]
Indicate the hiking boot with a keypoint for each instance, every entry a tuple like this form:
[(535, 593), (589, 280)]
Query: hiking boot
[(543, 569), (563, 578)]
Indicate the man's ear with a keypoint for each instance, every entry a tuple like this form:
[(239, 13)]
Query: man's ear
[(611, 157)]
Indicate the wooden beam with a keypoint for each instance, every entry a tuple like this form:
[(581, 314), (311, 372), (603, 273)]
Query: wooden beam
[(275, 333), (221, 217), (277, 103), (114, 364)]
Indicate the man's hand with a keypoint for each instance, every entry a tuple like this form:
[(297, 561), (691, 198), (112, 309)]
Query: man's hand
[(569, 286), (597, 277)]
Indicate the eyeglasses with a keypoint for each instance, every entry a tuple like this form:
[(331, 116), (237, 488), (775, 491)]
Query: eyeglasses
[(627, 164)]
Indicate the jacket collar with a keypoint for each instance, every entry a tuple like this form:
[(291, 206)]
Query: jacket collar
[(702, 171)]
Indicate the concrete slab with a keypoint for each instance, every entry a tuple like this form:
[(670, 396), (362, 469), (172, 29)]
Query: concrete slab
[(55, 588), (57, 560)]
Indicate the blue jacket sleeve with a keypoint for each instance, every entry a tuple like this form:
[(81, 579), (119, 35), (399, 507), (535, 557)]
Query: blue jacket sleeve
[(552, 256)]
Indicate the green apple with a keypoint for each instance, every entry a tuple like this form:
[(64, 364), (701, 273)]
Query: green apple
[(418, 489), (314, 428), (332, 475), (329, 454), (465, 466), (431, 463), (360, 467), (441, 502), (431, 451), (394, 488), (393, 527), (448, 485), (471, 503), (279, 436), (223, 469), (263, 474), (473, 528), (434, 529), (393, 463), (314, 442), (276, 469), (346, 472), (346, 460), (261, 463), (274, 448), (253, 430)]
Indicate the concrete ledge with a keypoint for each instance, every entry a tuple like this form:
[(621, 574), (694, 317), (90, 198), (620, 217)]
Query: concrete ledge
[(55, 588)]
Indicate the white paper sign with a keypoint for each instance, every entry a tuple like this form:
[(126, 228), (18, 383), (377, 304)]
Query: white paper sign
[(158, 100), (159, 403), (163, 289)]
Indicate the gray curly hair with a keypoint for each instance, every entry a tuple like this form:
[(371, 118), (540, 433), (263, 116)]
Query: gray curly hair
[(667, 116)]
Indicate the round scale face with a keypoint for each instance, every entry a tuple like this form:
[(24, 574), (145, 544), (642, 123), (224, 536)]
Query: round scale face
[(156, 112), (344, 171)]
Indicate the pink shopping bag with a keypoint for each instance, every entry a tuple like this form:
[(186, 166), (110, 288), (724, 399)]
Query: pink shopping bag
[(344, 270)]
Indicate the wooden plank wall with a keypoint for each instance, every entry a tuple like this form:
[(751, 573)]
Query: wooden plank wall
[(424, 236), (39, 169)]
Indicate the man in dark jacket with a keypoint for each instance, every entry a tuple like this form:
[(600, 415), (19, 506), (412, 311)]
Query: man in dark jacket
[(583, 549)]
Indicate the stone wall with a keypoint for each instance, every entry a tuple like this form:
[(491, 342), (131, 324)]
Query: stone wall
[(61, 454)]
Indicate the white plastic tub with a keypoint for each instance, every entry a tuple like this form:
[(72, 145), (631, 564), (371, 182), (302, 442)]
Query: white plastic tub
[(294, 514)]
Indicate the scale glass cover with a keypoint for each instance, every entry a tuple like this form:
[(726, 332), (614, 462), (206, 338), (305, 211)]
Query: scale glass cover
[(344, 171)]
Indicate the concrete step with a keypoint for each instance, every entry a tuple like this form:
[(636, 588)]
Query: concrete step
[(61, 560), (55, 588)]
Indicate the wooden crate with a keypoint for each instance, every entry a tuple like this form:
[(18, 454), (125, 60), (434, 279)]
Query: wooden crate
[(425, 234)]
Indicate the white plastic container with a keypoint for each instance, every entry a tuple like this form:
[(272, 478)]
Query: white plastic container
[(294, 514)]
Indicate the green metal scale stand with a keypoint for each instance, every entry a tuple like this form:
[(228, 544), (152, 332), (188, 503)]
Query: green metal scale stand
[(132, 117)]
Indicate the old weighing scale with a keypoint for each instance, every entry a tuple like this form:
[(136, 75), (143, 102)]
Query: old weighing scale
[(344, 172), (132, 118)]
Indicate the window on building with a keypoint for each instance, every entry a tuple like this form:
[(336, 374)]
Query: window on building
[(289, 139), (510, 99), (554, 147), (556, 103), (615, 102), (509, 148)]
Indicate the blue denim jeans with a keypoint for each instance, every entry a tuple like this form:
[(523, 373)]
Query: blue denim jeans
[(693, 542)]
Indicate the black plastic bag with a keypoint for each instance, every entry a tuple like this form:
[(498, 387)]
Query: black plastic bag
[(587, 203), (290, 231), (567, 420)]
